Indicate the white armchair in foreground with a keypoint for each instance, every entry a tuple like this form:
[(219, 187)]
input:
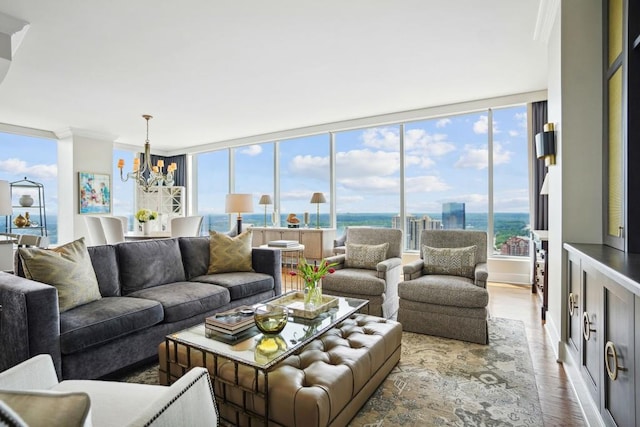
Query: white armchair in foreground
[(188, 401)]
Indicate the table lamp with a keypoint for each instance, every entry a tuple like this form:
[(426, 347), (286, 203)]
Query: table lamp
[(265, 200), (318, 198), (239, 203)]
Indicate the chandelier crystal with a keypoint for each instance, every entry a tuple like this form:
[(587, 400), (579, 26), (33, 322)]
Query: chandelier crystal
[(155, 175)]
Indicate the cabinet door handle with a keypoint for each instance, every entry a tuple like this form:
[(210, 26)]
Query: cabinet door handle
[(586, 326), (611, 353), (620, 230), (573, 298)]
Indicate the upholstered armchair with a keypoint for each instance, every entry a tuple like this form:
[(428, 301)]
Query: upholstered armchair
[(30, 394), (444, 292), (370, 269)]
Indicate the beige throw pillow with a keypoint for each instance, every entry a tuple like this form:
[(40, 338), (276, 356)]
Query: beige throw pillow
[(450, 261), (229, 254), (68, 268), (365, 256)]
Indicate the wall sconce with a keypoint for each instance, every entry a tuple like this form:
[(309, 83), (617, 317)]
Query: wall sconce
[(546, 145)]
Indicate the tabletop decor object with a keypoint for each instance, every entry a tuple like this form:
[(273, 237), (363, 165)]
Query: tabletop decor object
[(265, 200), (312, 275), (271, 318), (318, 198), (144, 217)]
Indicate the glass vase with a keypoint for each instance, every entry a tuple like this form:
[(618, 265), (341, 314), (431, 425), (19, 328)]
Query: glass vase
[(312, 296)]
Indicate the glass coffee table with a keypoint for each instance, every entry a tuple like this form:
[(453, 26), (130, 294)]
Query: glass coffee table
[(250, 354)]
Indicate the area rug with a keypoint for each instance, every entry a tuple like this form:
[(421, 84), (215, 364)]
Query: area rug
[(443, 382)]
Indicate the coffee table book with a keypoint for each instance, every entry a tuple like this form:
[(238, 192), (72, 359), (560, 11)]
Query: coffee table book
[(232, 321), (283, 243)]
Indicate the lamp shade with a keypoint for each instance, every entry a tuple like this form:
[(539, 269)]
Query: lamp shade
[(544, 190), (5, 198), (265, 199), (318, 198), (545, 144), (238, 202)]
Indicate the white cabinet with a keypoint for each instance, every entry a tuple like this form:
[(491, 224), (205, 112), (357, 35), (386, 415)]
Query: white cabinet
[(169, 202), (318, 242)]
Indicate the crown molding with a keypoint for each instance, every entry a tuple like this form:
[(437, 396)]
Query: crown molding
[(547, 12), (72, 132)]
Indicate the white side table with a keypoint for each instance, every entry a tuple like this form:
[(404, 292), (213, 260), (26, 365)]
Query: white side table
[(290, 258)]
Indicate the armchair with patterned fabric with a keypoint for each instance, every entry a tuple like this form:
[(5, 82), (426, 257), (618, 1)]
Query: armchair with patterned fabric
[(444, 292), (370, 269)]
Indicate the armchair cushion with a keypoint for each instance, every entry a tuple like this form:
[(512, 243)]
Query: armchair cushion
[(229, 254), (365, 256), (68, 268), (450, 261), (452, 291), (39, 408)]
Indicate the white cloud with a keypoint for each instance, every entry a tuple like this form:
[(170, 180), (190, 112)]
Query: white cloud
[(20, 167), (421, 147), (379, 184), (425, 184), (252, 150), (514, 133), (310, 166), (478, 158), (481, 126), (366, 163), (442, 123), (521, 118), (381, 138)]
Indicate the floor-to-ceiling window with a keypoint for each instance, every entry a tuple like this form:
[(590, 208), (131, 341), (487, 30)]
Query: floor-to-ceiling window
[(34, 159), (304, 170), (368, 177), (213, 186), (254, 175)]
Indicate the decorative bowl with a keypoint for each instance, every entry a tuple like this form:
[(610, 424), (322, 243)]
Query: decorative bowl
[(271, 318)]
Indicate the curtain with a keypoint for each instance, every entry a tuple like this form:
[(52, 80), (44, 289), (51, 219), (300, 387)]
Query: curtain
[(540, 203)]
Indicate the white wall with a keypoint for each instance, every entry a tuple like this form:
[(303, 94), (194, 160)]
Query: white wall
[(78, 151)]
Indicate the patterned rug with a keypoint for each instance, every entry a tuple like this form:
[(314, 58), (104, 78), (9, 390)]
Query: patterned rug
[(443, 382)]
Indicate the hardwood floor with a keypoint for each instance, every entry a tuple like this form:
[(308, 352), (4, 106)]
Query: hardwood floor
[(557, 399)]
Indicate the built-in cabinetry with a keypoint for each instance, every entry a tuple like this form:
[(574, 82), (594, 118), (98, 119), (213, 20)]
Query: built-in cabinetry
[(540, 264), (167, 201), (603, 312), (318, 242)]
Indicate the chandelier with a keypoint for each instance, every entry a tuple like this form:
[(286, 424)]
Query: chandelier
[(155, 175)]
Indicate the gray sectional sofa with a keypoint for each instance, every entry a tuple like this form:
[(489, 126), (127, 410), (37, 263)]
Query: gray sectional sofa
[(149, 289)]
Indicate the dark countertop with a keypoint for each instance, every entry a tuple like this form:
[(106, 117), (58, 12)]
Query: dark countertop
[(620, 266)]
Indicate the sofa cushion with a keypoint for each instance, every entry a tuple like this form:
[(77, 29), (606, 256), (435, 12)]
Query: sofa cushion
[(68, 268), (365, 256), (354, 281), (240, 285), (195, 255), (182, 300), (454, 291), (229, 254), (450, 261), (107, 319), (105, 265), (149, 263)]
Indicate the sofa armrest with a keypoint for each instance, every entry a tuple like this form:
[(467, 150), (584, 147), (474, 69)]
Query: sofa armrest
[(338, 260), (269, 262), (413, 269), (29, 321), (189, 401), (481, 274), (36, 373)]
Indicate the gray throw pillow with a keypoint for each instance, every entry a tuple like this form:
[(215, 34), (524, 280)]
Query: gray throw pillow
[(365, 256), (68, 268), (450, 261)]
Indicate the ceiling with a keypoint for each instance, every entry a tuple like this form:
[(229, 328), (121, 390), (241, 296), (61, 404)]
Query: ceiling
[(211, 71)]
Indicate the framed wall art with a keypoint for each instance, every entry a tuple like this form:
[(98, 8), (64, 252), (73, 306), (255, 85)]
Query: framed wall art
[(94, 193)]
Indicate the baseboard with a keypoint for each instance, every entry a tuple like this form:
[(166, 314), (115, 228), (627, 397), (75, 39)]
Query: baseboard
[(513, 278)]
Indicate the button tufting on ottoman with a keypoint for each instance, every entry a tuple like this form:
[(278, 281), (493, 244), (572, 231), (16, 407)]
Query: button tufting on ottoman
[(325, 384)]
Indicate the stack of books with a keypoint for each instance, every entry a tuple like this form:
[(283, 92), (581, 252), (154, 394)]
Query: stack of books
[(283, 243), (231, 322)]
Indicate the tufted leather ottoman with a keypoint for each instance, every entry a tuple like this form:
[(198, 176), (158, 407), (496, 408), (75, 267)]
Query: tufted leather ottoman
[(324, 385)]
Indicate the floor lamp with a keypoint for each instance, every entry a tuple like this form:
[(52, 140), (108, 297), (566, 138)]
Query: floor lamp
[(265, 200), (318, 198), (239, 203)]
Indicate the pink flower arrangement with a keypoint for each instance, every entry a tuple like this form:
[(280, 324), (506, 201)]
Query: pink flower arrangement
[(312, 273)]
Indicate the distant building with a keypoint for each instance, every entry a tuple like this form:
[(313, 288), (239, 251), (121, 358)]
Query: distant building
[(516, 246), (453, 216), (414, 227)]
